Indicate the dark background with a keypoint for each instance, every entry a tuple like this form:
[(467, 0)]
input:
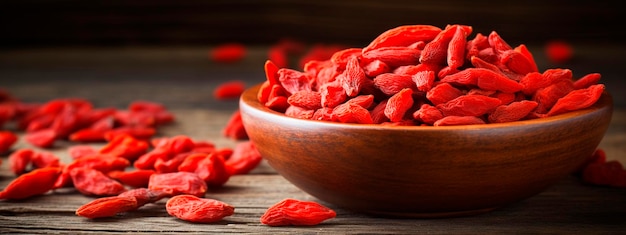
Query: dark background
[(157, 49), (32, 23)]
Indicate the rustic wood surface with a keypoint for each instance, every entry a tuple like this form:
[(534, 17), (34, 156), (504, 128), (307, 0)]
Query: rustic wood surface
[(183, 79)]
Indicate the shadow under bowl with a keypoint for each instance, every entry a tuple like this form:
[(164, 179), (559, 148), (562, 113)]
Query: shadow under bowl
[(424, 171)]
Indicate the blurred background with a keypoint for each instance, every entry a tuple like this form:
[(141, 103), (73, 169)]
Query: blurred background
[(83, 48), (27, 23)]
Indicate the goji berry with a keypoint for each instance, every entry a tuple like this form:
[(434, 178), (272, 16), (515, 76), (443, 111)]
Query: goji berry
[(125, 146), (92, 182), (144, 195), (234, 128), (296, 212), (610, 173), (512, 112), (353, 77), (469, 105), (577, 99), (177, 183), (198, 210), (399, 104), (332, 94), (298, 112), (209, 167), (352, 113), (78, 151), (229, 90), (558, 51), (7, 139), (228, 53), (306, 99), (391, 83), (428, 114), (587, 80), (404, 35), (442, 93), (44, 138), (107, 207), (394, 56), (19, 161), (134, 178), (458, 120), (245, 157), (36, 182)]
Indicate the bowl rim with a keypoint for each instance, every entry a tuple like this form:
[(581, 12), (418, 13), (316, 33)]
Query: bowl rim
[(248, 99)]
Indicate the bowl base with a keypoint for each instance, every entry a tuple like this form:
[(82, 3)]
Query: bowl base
[(429, 215)]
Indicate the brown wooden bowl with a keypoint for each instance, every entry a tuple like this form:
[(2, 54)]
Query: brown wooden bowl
[(424, 171)]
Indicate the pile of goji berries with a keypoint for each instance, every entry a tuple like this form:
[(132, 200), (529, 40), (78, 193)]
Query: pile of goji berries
[(77, 120), (134, 167), (425, 75)]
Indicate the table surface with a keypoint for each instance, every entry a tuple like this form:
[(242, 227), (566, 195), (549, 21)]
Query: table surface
[(183, 78)]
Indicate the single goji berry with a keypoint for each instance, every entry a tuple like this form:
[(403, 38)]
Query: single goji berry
[(332, 94), (469, 105), (306, 99), (44, 138), (36, 182), (394, 56), (234, 128), (404, 35), (587, 80), (198, 210), (107, 207), (512, 112), (428, 114), (391, 83), (424, 80), (92, 182), (558, 51), (229, 90), (442, 93), (177, 183), (245, 157), (399, 104), (456, 48), (7, 139), (353, 77), (228, 53), (298, 112), (296, 212), (352, 113), (577, 99)]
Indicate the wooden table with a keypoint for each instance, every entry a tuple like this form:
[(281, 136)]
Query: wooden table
[(183, 79)]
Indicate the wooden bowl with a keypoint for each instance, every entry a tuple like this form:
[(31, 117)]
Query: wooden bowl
[(424, 171)]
